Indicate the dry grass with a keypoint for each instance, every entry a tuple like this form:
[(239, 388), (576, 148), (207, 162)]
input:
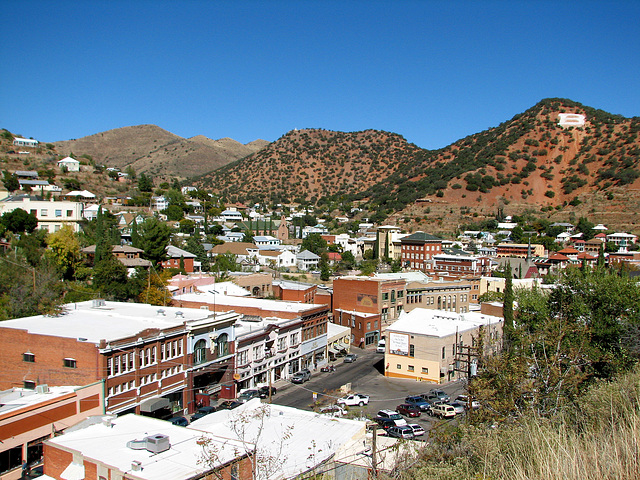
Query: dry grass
[(599, 439)]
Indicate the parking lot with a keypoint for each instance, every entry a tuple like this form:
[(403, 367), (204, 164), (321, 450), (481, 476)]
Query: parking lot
[(364, 376)]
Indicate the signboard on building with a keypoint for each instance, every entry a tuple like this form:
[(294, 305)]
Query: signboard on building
[(314, 344), (399, 344)]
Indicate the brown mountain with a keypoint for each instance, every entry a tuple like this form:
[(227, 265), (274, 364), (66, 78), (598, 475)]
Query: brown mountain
[(152, 150), (528, 162)]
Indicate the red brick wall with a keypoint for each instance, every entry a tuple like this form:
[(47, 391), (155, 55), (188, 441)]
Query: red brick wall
[(55, 461), (49, 353)]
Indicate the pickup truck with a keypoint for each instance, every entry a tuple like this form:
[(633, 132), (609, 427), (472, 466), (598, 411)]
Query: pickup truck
[(354, 399)]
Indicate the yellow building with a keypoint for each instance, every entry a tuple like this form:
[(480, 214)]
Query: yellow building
[(438, 346)]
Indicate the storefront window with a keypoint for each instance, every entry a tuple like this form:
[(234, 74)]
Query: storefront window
[(200, 352)]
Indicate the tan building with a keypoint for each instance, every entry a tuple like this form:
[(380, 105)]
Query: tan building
[(438, 346), (520, 250)]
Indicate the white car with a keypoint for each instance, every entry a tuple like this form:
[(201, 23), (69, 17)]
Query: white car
[(353, 400), (333, 411), (464, 400), (417, 429)]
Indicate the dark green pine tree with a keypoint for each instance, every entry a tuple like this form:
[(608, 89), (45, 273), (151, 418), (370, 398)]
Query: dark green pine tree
[(102, 245), (509, 326), (136, 241)]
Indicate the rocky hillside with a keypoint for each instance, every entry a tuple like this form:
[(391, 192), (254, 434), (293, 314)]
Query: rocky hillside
[(528, 162), (152, 150)]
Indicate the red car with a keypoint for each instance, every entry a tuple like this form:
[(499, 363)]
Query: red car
[(408, 410)]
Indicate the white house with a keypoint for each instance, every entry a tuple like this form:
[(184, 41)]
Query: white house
[(231, 215), (266, 240), (25, 142), (71, 164), (279, 258), (307, 260), (51, 215), (622, 238)]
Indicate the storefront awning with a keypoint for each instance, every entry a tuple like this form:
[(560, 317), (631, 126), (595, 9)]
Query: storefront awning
[(333, 350), (152, 404), (341, 346)]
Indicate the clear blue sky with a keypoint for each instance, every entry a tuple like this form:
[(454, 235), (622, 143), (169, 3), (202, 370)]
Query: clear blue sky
[(431, 71)]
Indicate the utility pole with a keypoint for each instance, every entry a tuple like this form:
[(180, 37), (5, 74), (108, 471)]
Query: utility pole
[(374, 459)]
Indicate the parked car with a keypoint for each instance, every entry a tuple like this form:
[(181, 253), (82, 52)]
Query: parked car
[(350, 358), (333, 411), (392, 415), (458, 407), (264, 391), (417, 429), (354, 399), (439, 394), (201, 412), (381, 346), (180, 421), (443, 410), (385, 423), (401, 432), (419, 402), (301, 376), (464, 400), (247, 395), (228, 405), (408, 410)]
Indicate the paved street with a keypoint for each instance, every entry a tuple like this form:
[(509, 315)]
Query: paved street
[(365, 376)]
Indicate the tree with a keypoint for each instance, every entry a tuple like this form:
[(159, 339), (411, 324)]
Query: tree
[(155, 292), (10, 181), (145, 184), (325, 269), (110, 277), (225, 262), (154, 239), (174, 213), (18, 221), (248, 236), (64, 248), (314, 243), (194, 245), (585, 227)]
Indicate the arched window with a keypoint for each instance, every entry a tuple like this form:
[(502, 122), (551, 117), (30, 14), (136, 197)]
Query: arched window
[(200, 352), (223, 345), (439, 303)]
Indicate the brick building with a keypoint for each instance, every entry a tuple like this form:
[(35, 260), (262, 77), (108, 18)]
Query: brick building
[(295, 291), (29, 417), (364, 304), (143, 448), (418, 249), (144, 354), (461, 265), (519, 250)]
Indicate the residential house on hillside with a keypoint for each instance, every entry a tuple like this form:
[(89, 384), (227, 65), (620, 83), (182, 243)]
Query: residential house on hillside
[(51, 215), (622, 238), (176, 255), (129, 256), (307, 260), (243, 251), (277, 258), (25, 142), (71, 164)]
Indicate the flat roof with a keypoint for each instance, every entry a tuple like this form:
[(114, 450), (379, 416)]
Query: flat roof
[(210, 297), (113, 321), (106, 442), (439, 323), (17, 398), (284, 433)]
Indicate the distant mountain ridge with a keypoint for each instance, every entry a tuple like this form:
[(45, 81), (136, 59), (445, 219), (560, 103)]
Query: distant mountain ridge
[(157, 152)]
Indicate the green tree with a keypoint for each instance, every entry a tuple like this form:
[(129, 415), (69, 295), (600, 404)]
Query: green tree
[(223, 263), (314, 243), (325, 269), (154, 239), (18, 221), (145, 183), (110, 277), (174, 213), (585, 227), (194, 245), (10, 181)]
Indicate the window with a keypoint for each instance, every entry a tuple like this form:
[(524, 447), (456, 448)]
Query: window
[(368, 326), (69, 213), (425, 370), (44, 212), (58, 213), (443, 352), (385, 296), (223, 345), (410, 368), (398, 366), (412, 350), (70, 363), (28, 357), (256, 353), (243, 357), (200, 352)]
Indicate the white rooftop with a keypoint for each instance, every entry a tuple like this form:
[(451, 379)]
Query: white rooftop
[(17, 398), (296, 439), (108, 445), (112, 321), (439, 323), (231, 301)]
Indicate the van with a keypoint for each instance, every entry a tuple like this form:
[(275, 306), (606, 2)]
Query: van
[(381, 346)]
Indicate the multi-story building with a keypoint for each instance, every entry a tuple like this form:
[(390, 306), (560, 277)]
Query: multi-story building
[(432, 345), (150, 358), (453, 296), (51, 215), (388, 242), (365, 304), (274, 338), (519, 250), (29, 417), (461, 265), (295, 291), (418, 249)]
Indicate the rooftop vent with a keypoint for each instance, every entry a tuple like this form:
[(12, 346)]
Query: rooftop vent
[(42, 389), (160, 311), (153, 443), (136, 466), (179, 314), (98, 302)]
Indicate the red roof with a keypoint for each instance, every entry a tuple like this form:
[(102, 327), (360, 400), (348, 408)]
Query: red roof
[(558, 257), (569, 251), (586, 256)]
